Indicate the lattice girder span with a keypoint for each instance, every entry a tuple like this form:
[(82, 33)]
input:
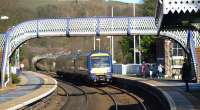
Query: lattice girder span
[(99, 26)]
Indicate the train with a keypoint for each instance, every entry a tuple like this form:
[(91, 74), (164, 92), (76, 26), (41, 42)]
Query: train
[(99, 65)]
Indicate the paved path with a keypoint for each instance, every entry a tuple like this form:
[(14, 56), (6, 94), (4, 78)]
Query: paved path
[(174, 92), (33, 87)]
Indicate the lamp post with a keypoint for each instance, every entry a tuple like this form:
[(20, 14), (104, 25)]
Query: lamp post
[(110, 44), (111, 37), (112, 40), (78, 58), (98, 39), (134, 46)]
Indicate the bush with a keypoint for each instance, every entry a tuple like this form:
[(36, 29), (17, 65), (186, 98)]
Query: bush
[(15, 79)]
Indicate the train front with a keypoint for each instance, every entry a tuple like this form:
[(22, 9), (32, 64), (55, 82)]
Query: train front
[(100, 67)]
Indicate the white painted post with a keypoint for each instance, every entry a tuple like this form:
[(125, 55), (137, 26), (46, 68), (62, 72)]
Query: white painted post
[(124, 69), (139, 51), (98, 39), (94, 40), (133, 9)]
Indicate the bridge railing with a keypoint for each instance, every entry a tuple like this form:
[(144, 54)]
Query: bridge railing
[(90, 25)]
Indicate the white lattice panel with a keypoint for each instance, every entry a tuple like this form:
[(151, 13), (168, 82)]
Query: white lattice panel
[(81, 25), (2, 40), (112, 25), (180, 5), (143, 23), (52, 25)]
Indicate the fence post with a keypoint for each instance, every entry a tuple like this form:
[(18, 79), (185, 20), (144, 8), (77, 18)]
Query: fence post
[(124, 69)]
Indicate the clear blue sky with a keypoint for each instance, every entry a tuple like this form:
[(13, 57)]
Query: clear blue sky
[(130, 1)]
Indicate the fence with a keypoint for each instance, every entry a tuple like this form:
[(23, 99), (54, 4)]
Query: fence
[(127, 69)]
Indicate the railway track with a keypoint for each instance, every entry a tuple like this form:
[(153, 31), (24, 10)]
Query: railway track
[(110, 96), (82, 94), (71, 95), (113, 91), (138, 99), (79, 95)]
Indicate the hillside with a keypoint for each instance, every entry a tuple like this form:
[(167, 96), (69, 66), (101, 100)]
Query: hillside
[(84, 7)]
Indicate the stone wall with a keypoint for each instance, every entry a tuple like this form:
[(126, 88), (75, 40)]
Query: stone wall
[(198, 56), (168, 64)]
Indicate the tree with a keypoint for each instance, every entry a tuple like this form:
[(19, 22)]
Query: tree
[(148, 43), (126, 45), (149, 7), (148, 47)]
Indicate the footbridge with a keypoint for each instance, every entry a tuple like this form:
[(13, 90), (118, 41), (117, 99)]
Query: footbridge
[(92, 26)]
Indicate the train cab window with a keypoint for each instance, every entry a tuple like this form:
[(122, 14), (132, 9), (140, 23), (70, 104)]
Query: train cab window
[(100, 62)]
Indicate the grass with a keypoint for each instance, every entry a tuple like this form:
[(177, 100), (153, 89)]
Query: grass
[(15, 80)]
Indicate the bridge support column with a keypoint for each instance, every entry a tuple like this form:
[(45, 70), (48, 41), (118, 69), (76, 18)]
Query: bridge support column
[(17, 57), (168, 65), (3, 67), (198, 57), (8, 76)]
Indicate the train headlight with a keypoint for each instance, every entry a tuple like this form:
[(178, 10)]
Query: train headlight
[(92, 71), (109, 70)]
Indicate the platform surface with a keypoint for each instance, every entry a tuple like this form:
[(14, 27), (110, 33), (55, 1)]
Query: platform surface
[(32, 87), (174, 91)]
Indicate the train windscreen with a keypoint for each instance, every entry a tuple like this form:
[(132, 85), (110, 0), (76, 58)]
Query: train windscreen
[(100, 61)]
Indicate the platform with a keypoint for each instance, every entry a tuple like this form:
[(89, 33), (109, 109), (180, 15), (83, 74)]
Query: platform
[(33, 86), (174, 91)]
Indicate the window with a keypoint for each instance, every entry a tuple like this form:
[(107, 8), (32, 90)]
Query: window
[(177, 55), (177, 50), (100, 61)]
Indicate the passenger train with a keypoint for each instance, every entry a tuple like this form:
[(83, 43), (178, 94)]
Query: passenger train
[(99, 66)]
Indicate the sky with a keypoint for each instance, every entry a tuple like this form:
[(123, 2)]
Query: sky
[(130, 1)]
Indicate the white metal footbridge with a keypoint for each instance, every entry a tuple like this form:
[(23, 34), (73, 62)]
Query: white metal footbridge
[(90, 26)]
